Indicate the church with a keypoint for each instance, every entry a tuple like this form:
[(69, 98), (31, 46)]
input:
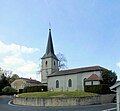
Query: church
[(66, 80)]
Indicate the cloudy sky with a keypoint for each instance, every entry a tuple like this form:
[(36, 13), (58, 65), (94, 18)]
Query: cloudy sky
[(87, 32)]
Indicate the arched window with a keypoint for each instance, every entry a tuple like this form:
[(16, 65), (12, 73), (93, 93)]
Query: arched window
[(57, 84), (54, 63), (69, 83), (46, 63)]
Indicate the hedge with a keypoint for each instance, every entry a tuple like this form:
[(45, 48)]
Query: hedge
[(100, 89), (35, 89)]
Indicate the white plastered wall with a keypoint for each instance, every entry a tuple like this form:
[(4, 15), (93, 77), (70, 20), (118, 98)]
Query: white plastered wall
[(77, 81)]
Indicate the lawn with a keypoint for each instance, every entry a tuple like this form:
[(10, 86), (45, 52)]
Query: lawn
[(57, 94)]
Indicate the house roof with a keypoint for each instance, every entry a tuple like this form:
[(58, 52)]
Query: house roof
[(77, 70), (93, 77), (50, 48), (31, 80)]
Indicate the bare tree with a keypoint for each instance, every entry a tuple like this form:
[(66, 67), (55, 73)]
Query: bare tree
[(62, 61), (5, 72), (8, 74)]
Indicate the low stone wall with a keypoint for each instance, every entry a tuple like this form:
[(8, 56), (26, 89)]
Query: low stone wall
[(60, 101)]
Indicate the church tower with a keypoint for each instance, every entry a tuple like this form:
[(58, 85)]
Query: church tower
[(49, 60)]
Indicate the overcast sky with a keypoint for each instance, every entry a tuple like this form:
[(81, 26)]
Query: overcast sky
[(87, 32)]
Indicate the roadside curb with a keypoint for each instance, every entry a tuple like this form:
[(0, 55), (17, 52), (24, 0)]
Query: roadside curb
[(11, 103)]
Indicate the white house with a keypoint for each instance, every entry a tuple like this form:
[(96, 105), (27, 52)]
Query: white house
[(72, 79)]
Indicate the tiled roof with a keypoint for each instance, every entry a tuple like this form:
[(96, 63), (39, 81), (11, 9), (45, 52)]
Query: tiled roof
[(77, 70), (31, 80), (94, 77)]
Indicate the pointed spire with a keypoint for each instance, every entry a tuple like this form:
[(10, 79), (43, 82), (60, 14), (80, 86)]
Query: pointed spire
[(49, 49), (50, 44)]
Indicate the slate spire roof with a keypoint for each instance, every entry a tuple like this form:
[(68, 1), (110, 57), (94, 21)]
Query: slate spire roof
[(50, 48)]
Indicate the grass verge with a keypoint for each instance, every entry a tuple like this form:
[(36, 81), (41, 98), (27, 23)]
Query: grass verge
[(57, 94)]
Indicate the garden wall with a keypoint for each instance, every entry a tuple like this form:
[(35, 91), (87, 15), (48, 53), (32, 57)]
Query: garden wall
[(60, 101)]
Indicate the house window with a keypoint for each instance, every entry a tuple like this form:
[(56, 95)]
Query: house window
[(46, 63), (57, 84), (69, 83)]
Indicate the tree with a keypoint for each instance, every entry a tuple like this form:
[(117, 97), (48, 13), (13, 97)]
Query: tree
[(3, 82), (6, 79), (6, 73), (9, 90), (62, 61), (12, 78), (108, 77), (1, 72), (9, 75)]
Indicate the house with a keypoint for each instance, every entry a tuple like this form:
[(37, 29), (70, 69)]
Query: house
[(72, 79), (93, 80), (21, 83)]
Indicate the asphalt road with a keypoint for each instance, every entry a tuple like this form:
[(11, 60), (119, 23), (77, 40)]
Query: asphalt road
[(4, 106)]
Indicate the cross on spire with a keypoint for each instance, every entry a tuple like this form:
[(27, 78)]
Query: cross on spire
[(49, 25)]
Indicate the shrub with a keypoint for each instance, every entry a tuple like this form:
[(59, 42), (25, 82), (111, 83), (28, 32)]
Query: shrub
[(100, 89), (35, 89), (8, 90)]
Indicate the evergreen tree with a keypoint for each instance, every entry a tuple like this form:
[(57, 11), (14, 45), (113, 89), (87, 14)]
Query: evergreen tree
[(108, 77)]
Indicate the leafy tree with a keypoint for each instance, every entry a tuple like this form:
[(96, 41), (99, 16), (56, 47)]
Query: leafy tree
[(12, 78), (108, 77), (62, 61), (3, 82), (8, 90)]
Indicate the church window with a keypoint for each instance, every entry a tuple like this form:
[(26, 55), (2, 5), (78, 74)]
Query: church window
[(54, 63), (57, 84), (46, 63), (69, 83)]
